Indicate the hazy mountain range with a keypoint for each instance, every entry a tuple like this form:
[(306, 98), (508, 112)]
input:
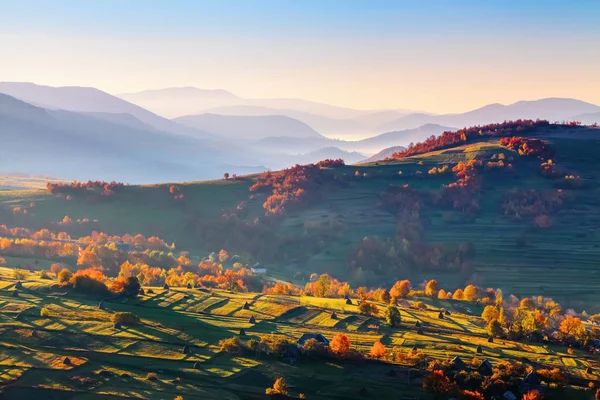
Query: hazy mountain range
[(85, 133)]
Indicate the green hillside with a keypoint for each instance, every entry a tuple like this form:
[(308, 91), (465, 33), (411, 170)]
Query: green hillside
[(56, 344), (343, 207)]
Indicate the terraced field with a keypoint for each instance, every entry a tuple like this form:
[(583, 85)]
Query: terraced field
[(73, 348)]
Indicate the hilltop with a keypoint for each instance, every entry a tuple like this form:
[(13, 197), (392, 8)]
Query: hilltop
[(344, 224)]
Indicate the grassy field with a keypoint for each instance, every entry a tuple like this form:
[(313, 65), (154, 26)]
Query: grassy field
[(104, 361)]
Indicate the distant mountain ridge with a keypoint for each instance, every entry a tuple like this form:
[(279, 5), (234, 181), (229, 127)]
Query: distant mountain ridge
[(249, 127), (552, 109)]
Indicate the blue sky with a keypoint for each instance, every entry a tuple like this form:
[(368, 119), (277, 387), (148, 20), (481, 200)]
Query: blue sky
[(442, 56)]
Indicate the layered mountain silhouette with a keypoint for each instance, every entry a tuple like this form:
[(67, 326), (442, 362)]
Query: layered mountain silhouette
[(552, 109)]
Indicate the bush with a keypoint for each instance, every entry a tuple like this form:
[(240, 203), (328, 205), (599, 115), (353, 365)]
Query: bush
[(85, 284), (152, 376), (232, 345), (64, 276), (126, 318)]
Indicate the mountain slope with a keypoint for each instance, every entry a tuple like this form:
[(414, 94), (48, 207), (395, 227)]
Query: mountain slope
[(79, 146), (587, 119), (249, 127), (87, 99), (552, 109)]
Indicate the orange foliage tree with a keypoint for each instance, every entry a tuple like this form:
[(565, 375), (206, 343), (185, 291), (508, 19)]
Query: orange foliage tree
[(340, 345)]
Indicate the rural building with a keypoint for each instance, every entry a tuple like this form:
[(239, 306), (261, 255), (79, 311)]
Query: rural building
[(258, 271), (531, 382), (458, 363), (317, 336), (485, 368), (291, 354), (509, 396)]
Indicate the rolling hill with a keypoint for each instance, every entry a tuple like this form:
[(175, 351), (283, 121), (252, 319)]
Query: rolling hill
[(343, 211), (551, 109)]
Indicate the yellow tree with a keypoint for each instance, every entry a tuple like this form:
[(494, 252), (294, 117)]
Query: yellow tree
[(458, 294), (471, 293), (279, 387), (572, 327), (489, 313), (431, 289)]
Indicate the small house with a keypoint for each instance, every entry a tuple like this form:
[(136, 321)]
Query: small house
[(67, 361), (317, 336), (291, 354), (458, 363), (485, 368), (479, 349), (509, 396), (252, 320), (531, 382)]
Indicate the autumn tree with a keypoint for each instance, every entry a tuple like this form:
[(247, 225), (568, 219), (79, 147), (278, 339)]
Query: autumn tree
[(470, 395), (431, 288), (533, 395), (378, 350), (598, 394), (458, 294), (489, 313), (572, 327), (340, 345), (64, 276), (399, 290), (280, 387), (392, 316), (368, 308), (439, 384), (494, 328), (527, 304), (471, 292)]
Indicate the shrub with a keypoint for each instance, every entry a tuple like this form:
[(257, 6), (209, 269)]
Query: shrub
[(64, 276), (152, 376), (232, 345), (279, 387), (88, 285), (126, 318)]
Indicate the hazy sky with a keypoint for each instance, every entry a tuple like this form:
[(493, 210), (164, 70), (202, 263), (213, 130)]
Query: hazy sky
[(439, 56)]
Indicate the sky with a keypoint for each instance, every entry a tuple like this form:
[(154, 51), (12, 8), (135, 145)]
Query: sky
[(439, 56)]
